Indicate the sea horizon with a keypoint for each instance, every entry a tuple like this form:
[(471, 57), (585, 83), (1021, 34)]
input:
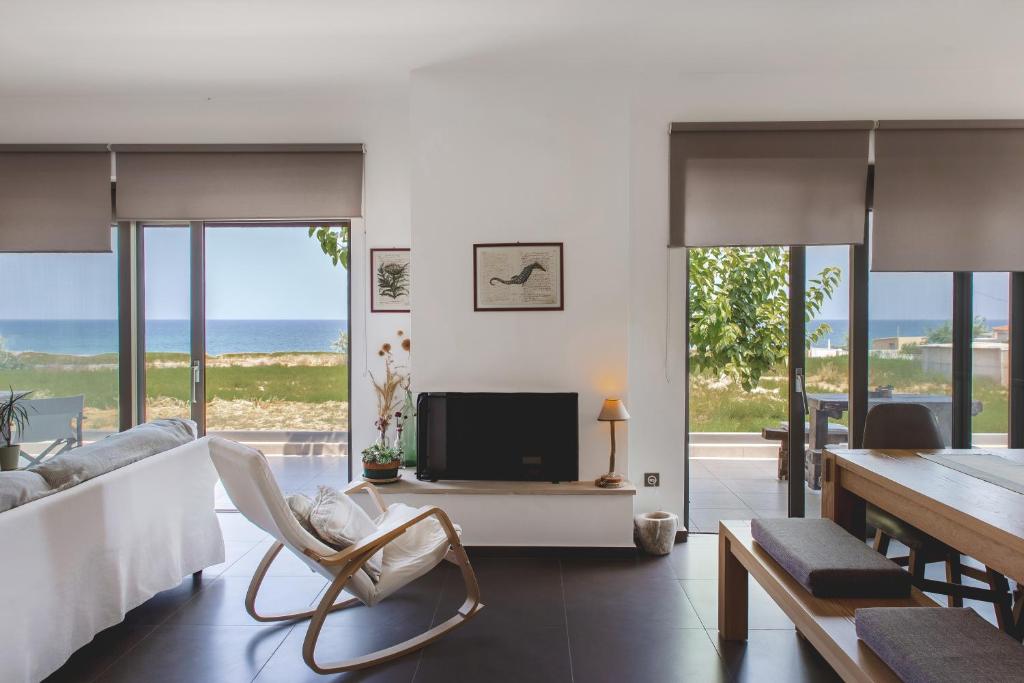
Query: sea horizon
[(91, 337)]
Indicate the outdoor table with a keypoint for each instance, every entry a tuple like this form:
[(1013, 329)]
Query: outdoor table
[(824, 406)]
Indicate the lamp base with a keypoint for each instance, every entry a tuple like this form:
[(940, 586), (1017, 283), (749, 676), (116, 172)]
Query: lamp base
[(612, 480)]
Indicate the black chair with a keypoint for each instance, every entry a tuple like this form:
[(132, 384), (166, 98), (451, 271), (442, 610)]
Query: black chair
[(913, 426)]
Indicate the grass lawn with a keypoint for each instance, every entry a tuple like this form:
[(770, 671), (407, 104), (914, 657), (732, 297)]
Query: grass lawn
[(719, 406), (258, 379)]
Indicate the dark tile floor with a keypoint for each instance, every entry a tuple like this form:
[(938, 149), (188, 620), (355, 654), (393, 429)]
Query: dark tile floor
[(547, 619)]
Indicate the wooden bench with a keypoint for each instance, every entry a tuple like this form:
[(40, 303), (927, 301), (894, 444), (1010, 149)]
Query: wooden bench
[(827, 623)]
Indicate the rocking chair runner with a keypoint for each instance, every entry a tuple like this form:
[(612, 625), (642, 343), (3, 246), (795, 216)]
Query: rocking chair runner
[(411, 549)]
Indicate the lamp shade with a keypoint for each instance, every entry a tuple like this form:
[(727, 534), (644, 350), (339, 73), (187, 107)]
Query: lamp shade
[(613, 410)]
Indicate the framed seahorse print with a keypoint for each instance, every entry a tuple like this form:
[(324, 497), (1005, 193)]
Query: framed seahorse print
[(389, 280), (518, 276)]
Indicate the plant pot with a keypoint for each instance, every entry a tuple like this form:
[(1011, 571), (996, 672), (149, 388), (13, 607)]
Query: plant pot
[(656, 531), (375, 471), (9, 457)]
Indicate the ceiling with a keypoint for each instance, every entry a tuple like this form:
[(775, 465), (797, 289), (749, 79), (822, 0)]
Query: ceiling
[(84, 48)]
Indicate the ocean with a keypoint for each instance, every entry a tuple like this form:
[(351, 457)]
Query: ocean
[(92, 337)]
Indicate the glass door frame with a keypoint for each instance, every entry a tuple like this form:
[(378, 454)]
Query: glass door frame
[(197, 318), (132, 308), (859, 344)]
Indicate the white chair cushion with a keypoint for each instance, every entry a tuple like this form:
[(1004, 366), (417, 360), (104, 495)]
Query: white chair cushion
[(412, 554), (340, 522)]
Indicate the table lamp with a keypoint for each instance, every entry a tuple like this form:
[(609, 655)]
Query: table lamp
[(612, 411)]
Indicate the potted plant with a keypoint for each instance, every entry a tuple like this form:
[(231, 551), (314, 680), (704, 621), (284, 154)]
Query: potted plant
[(13, 420), (381, 462)]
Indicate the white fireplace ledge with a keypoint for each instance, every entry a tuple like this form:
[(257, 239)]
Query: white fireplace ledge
[(526, 513)]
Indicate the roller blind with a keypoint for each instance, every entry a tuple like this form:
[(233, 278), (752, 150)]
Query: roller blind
[(759, 184), (55, 198), (239, 182), (949, 196)]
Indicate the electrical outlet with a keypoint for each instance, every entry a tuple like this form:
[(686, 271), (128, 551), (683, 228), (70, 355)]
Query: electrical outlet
[(652, 479)]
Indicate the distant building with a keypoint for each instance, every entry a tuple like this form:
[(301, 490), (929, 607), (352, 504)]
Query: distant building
[(895, 343), (989, 359), (1001, 332)]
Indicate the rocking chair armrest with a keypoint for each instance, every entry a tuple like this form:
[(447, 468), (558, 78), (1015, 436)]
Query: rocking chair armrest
[(375, 496), (367, 547)]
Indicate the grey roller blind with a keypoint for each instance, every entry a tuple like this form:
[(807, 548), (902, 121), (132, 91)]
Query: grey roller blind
[(949, 196), (779, 183), (239, 182), (55, 198)]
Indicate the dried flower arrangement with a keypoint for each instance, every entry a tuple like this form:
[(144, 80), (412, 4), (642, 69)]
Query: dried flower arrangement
[(396, 377)]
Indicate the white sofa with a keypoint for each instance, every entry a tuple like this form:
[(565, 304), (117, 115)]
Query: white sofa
[(75, 562)]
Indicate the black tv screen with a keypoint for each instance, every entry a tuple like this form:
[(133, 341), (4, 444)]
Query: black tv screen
[(498, 436)]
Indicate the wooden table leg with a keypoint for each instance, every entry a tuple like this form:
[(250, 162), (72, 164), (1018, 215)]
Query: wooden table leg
[(842, 507), (732, 592)]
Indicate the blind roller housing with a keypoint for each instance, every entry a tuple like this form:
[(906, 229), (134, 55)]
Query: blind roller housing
[(55, 201), (949, 196), (224, 183), (768, 184)]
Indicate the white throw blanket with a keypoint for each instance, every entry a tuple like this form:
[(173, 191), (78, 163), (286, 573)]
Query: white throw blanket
[(75, 562)]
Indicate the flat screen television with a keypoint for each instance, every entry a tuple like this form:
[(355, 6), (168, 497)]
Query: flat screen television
[(497, 436)]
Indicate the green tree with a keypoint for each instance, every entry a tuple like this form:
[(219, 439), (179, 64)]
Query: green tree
[(334, 241), (943, 334), (739, 308)]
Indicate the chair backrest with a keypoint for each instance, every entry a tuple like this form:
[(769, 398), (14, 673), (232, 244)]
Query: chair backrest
[(249, 482), (50, 419), (902, 425)]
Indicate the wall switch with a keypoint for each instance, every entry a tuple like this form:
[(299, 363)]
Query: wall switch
[(652, 479)]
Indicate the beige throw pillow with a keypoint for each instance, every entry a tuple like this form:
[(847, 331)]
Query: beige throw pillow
[(301, 505), (340, 522)]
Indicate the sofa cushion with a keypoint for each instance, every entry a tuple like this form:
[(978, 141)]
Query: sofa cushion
[(939, 645), (339, 522), (117, 450), (828, 561), (20, 487)]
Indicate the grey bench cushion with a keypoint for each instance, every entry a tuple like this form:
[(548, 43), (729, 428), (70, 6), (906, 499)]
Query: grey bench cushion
[(828, 561), (940, 645)]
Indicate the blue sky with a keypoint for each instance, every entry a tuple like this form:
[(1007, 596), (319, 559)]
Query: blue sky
[(280, 273), (908, 296), (251, 273)]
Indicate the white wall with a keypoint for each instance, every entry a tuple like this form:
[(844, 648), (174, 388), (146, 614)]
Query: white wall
[(484, 156), (375, 116), (521, 158)]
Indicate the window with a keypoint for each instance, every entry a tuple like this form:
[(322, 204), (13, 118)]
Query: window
[(59, 335), (910, 337)]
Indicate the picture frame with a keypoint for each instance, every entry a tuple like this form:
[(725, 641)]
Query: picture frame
[(518, 276), (390, 279)]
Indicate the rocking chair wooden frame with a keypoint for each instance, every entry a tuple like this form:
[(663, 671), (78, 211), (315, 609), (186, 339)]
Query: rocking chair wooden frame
[(247, 478)]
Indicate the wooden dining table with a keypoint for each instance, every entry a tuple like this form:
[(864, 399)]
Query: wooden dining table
[(960, 507)]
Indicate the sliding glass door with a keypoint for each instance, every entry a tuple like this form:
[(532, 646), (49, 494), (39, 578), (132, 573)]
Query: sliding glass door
[(276, 362), (768, 378), (166, 339), (246, 333)]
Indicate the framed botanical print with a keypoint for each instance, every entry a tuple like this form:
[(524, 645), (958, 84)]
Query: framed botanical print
[(520, 276), (390, 274)]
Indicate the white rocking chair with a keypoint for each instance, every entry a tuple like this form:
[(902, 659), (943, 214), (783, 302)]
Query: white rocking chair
[(247, 478)]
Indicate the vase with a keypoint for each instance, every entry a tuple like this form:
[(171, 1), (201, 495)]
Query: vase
[(9, 457), (656, 531), (408, 441)]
